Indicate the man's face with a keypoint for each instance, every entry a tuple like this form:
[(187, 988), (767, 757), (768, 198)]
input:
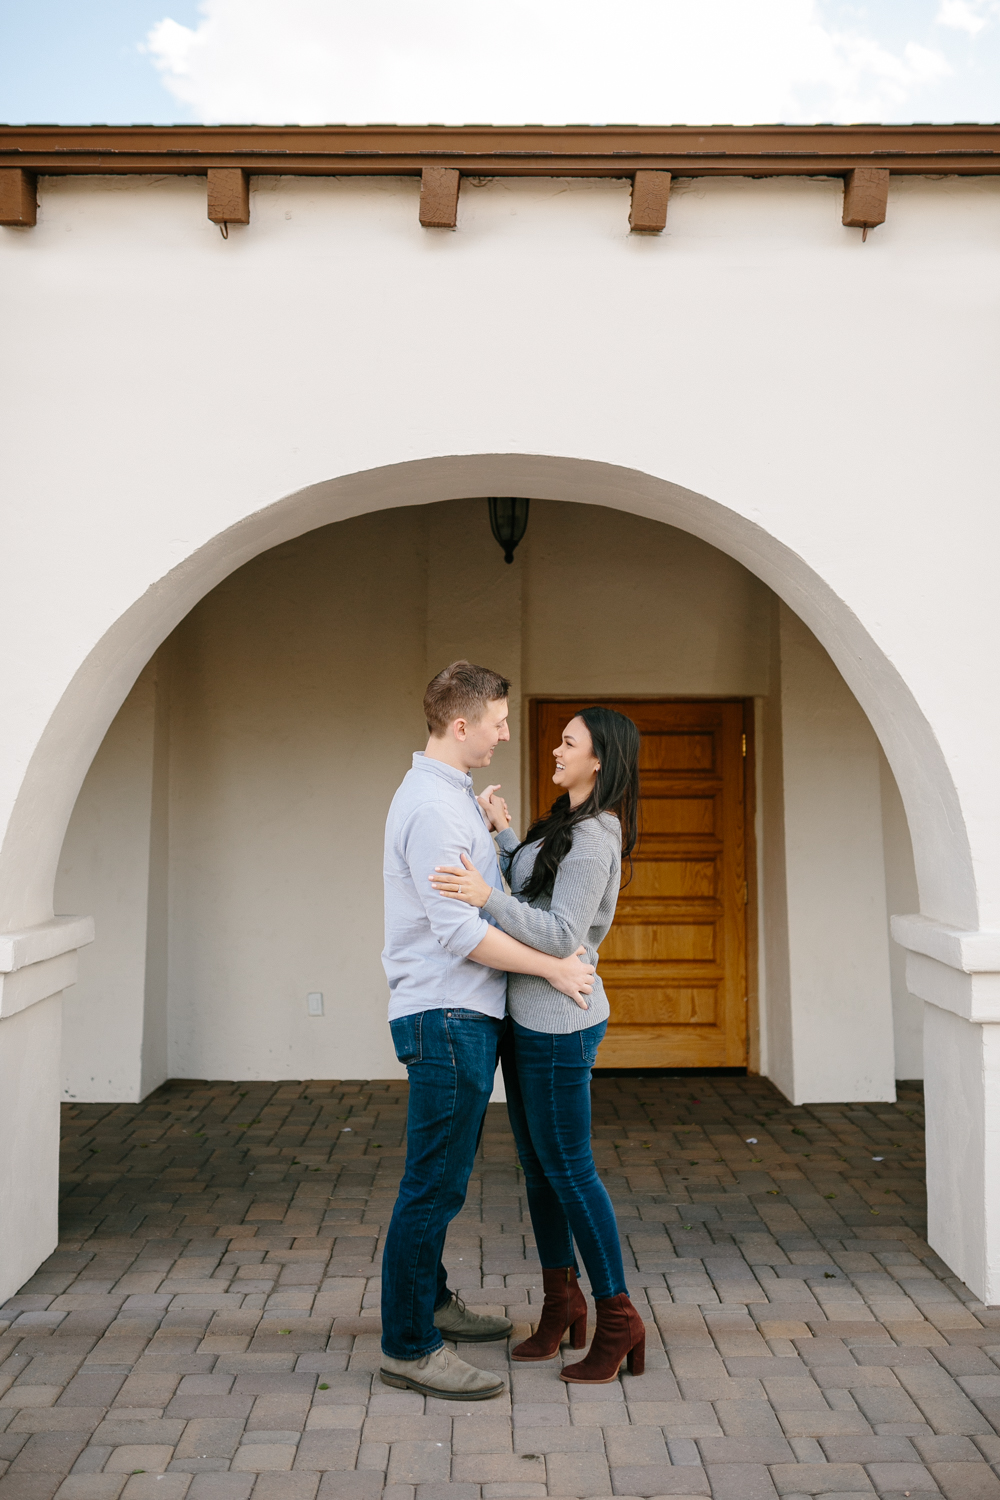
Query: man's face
[(481, 738)]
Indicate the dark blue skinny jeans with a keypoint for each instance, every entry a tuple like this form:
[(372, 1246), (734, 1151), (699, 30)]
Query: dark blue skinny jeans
[(451, 1057), (548, 1100)]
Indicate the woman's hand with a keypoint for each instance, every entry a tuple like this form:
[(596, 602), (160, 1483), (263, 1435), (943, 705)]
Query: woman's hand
[(494, 809), (461, 885), (573, 976)]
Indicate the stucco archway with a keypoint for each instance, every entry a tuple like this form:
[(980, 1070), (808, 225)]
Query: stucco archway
[(53, 778), (103, 679)]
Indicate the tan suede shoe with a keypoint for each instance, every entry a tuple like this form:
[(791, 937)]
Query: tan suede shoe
[(456, 1322), (441, 1374)]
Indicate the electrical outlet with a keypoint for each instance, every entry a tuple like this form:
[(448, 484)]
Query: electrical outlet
[(315, 1003)]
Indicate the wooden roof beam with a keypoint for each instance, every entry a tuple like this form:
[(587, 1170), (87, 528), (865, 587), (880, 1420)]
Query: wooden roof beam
[(439, 197), (228, 197), (648, 211), (866, 193), (18, 197)]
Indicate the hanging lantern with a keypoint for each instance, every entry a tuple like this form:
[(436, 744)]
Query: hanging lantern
[(508, 522)]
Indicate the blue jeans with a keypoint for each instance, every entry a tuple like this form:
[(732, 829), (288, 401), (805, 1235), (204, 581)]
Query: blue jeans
[(548, 1100), (451, 1057)]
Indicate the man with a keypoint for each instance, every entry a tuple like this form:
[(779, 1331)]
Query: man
[(447, 968)]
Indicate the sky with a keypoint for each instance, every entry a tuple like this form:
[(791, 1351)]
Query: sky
[(498, 61)]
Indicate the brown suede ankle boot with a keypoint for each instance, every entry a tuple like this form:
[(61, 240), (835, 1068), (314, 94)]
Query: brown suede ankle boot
[(619, 1334), (564, 1307)]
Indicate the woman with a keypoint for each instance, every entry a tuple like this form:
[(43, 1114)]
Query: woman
[(565, 879)]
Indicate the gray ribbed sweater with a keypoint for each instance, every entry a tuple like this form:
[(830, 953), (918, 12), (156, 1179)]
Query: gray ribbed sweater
[(580, 910)]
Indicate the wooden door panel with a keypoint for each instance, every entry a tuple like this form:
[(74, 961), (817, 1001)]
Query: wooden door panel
[(677, 752), (674, 963), (667, 1004), (664, 941), (677, 814), (671, 878)]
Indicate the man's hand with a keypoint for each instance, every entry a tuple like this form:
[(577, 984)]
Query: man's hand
[(494, 809), (572, 977)]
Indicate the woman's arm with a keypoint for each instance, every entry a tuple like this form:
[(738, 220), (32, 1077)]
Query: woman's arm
[(580, 886), (570, 975)]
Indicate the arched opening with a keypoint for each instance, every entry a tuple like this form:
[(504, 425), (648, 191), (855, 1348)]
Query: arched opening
[(122, 663), (100, 684), (228, 835)]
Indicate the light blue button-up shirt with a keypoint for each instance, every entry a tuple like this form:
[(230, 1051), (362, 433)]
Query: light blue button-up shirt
[(434, 819)]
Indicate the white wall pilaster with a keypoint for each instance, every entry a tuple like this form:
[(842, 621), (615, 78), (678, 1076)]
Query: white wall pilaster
[(36, 964), (957, 975), (830, 1013)]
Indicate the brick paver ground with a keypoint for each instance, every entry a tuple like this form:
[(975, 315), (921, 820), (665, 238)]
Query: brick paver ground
[(208, 1328)]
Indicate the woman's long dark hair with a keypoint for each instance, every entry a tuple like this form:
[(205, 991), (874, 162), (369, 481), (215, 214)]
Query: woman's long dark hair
[(616, 745)]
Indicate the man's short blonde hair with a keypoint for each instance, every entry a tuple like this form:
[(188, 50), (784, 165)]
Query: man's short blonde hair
[(461, 691)]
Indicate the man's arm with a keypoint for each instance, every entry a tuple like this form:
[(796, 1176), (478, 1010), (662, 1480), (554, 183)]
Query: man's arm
[(570, 976)]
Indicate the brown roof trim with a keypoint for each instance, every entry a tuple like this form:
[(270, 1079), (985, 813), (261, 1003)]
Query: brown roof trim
[(501, 150)]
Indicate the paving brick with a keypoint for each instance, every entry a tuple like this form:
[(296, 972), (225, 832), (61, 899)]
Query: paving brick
[(259, 1458), (28, 1486), (48, 1453), (966, 1481), (57, 1419), (359, 1485), (559, 1439), (327, 1450), (92, 1459), (479, 1434), (626, 1446), (221, 1487), (152, 1457), (822, 1424), (91, 1487), (820, 1479), (941, 1400), (92, 1388), (741, 1481), (210, 1437), (156, 1487), (579, 1475), (286, 1487), (913, 1477), (423, 1462)]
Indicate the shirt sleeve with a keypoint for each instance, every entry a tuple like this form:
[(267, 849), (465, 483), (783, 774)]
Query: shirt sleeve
[(580, 887), (508, 843), (436, 835)]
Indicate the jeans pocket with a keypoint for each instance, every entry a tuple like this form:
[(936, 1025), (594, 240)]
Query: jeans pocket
[(406, 1037), (590, 1039)]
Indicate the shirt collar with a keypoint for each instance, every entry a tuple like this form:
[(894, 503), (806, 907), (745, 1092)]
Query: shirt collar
[(460, 779)]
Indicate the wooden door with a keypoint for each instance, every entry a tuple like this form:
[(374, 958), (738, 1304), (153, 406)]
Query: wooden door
[(674, 962)]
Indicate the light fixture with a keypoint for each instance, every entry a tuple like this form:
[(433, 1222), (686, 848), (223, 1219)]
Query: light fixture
[(508, 522)]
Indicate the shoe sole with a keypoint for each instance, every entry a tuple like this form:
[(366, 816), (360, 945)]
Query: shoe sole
[(475, 1338), (405, 1383)]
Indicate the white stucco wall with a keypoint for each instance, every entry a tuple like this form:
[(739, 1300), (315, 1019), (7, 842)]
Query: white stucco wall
[(901, 896), (702, 356), (105, 871), (756, 376), (837, 1021)]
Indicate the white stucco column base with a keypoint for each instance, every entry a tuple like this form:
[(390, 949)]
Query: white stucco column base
[(36, 965), (957, 975)]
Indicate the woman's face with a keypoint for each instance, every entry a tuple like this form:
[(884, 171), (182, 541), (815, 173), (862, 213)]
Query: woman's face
[(576, 764)]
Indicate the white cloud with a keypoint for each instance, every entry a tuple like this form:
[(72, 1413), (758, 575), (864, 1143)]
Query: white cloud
[(544, 61), (967, 15)]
